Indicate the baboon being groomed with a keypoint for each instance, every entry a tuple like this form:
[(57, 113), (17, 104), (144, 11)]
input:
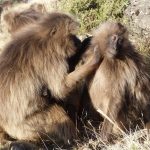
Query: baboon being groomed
[(15, 20), (120, 87), (37, 56)]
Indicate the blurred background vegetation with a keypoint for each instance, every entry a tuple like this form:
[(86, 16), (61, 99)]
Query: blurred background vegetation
[(92, 12)]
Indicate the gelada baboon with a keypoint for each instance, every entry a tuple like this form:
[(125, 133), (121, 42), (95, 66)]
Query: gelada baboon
[(37, 56), (38, 7), (15, 20), (120, 87), (21, 18)]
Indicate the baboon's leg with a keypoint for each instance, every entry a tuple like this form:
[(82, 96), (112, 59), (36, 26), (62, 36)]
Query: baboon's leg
[(52, 124), (111, 120)]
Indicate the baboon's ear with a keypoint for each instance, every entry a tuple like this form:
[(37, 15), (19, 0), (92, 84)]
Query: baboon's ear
[(38, 7), (9, 17), (73, 26)]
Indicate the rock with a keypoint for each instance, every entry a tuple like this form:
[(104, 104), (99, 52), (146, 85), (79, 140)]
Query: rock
[(138, 13)]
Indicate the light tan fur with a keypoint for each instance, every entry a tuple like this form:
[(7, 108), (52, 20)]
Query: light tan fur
[(16, 19), (36, 56), (120, 88)]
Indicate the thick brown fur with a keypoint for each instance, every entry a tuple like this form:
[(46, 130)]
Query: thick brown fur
[(36, 57), (120, 88), (15, 20), (89, 118), (33, 14)]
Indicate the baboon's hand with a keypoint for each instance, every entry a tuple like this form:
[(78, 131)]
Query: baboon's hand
[(95, 58)]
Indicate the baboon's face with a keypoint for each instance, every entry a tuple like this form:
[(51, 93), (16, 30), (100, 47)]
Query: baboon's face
[(72, 42), (73, 45), (112, 38)]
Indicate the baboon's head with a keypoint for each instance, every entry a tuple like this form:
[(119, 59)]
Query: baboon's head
[(14, 20), (60, 29), (38, 7), (111, 38)]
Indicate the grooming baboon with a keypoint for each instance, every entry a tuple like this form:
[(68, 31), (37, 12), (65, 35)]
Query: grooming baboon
[(32, 15), (36, 57), (15, 20), (120, 87)]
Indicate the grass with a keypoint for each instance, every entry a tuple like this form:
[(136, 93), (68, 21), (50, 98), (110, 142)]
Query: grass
[(93, 12)]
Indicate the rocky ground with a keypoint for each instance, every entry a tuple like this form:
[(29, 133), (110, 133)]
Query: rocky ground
[(138, 13)]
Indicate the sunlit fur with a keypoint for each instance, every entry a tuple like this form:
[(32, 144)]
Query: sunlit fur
[(36, 57), (121, 86), (15, 20)]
